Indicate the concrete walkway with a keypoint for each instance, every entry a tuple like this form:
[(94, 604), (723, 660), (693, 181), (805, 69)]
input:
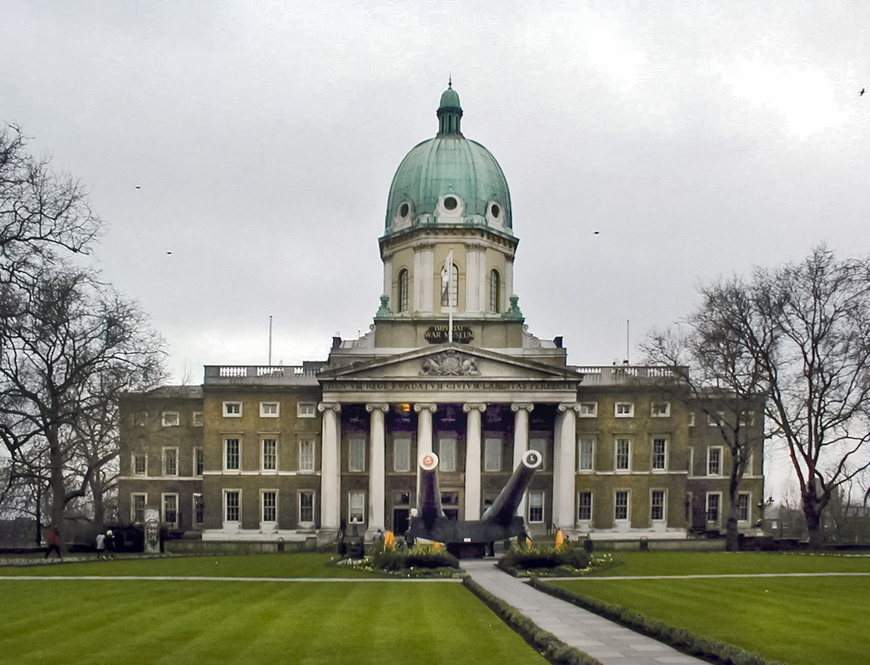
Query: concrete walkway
[(609, 642)]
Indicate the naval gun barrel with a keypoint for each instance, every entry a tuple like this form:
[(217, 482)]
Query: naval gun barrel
[(504, 508)]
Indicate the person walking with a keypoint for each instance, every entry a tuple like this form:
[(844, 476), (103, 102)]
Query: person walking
[(101, 545), (110, 544), (53, 542)]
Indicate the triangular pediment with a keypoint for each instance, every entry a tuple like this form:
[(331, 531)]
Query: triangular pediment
[(446, 361)]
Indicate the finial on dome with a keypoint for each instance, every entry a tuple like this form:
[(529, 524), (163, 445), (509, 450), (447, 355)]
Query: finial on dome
[(449, 111)]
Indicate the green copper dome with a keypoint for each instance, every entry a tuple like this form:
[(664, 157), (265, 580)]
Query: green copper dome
[(449, 179)]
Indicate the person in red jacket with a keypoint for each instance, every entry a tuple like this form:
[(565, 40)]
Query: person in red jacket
[(53, 542)]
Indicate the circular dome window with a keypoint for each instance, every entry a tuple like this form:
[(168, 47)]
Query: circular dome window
[(404, 209), (495, 210), (450, 203)]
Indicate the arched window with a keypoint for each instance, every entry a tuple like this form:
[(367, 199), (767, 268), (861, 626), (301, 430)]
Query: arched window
[(494, 292), (402, 296), (449, 290)]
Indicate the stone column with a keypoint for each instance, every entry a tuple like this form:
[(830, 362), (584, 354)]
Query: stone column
[(472, 460), (564, 466), (521, 441), (424, 436), (330, 466), (377, 496)]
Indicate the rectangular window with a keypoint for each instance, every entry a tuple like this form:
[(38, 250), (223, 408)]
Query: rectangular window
[(306, 410), (306, 507), (140, 464), (196, 419), (140, 419), (137, 507), (692, 419), (306, 456), (170, 418), (357, 457), (587, 409), (270, 455), (714, 461), (624, 410), (713, 508), (657, 505), (356, 507), (269, 505), (447, 454), (492, 455), (586, 454), (232, 448), (232, 505), (232, 409), (270, 409), (198, 510), (584, 507), (536, 507), (743, 507), (170, 509), (198, 464), (623, 455), (659, 454), (716, 419), (170, 461), (620, 506), (660, 409), (402, 454), (540, 446)]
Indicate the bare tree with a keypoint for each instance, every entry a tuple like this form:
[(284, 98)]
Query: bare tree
[(800, 335), (724, 381)]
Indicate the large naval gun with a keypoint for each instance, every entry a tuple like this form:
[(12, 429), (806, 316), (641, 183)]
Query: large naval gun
[(470, 538)]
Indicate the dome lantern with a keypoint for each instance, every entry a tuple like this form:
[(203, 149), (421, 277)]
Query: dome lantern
[(449, 112)]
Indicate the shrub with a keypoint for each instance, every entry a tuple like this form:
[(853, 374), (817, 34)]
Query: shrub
[(521, 557), (423, 556)]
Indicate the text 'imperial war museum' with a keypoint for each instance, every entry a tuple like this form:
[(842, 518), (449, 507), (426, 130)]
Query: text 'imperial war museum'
[(264, 453)]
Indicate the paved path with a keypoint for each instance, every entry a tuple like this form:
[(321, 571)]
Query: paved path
[(605, 640)]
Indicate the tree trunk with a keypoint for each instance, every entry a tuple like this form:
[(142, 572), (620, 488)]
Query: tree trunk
[(813, 514)]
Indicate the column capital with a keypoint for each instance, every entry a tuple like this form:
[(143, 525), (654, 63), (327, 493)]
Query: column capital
[(331, 406), (468, 407), (431, 408), (569, 406), (525, 406), (378, 406)]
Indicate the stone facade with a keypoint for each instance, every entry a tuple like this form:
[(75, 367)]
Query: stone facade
[(266, 453)]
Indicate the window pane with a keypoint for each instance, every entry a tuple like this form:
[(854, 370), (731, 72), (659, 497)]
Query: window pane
[(306, 506), (742, 507), (357, 461), (140, 464), (138, 508), (712, 507), (447, 454), (232, 454), (197, 461), (356, 506), (401, 454), (584, 506), (714, 466), (623, 454), (536, 507), (586, 455), (270, 506), (657, 508), (170, 462), (492, 455), (659, 453), (170, 508), (198, 509), (232, 501), (270, 454), (621, 509), (306, 455)]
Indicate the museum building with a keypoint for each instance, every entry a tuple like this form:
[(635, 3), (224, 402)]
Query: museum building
[(284, 453)]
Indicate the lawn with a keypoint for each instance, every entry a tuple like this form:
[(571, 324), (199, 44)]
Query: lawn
[(79, 622), (795, 620)]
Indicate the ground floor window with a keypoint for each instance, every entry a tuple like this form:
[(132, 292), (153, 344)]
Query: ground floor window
[(536, 507), (743, 507), (657, 505), (232, 504), (356, 507), (620, 509), (170, 509), (306, 507), (137, 507), (198, 510), (269, 506), (713, 508), (584, 507)]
